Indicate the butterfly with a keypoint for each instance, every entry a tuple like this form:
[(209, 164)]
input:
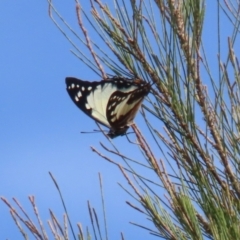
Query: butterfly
[(112, 102)]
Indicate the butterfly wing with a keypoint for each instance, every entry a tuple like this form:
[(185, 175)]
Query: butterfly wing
[(89, 97), (123, 106), (112, 102)]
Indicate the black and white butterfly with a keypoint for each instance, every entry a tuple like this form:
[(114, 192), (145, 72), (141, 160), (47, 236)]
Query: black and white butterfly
[(113, 102)]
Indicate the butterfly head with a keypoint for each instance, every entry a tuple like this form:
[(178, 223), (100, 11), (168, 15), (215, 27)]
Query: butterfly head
[(117, 132)]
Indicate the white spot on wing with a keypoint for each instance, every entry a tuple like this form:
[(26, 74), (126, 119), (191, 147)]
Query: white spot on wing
[(77, 86), (83, 88), (89, 88), (113, 119), (73, 85), (87, 106), (79, 94), (76, 99)]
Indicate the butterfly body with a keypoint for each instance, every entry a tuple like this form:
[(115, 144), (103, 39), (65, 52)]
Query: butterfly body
[(113, 102)]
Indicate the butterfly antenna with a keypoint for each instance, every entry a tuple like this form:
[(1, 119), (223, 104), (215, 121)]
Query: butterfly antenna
[(94, 131)]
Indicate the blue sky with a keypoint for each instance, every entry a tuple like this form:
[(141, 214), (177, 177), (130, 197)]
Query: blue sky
[(40, 127)]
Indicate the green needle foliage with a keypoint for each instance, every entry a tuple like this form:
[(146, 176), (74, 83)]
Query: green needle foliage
[(184, 171)]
